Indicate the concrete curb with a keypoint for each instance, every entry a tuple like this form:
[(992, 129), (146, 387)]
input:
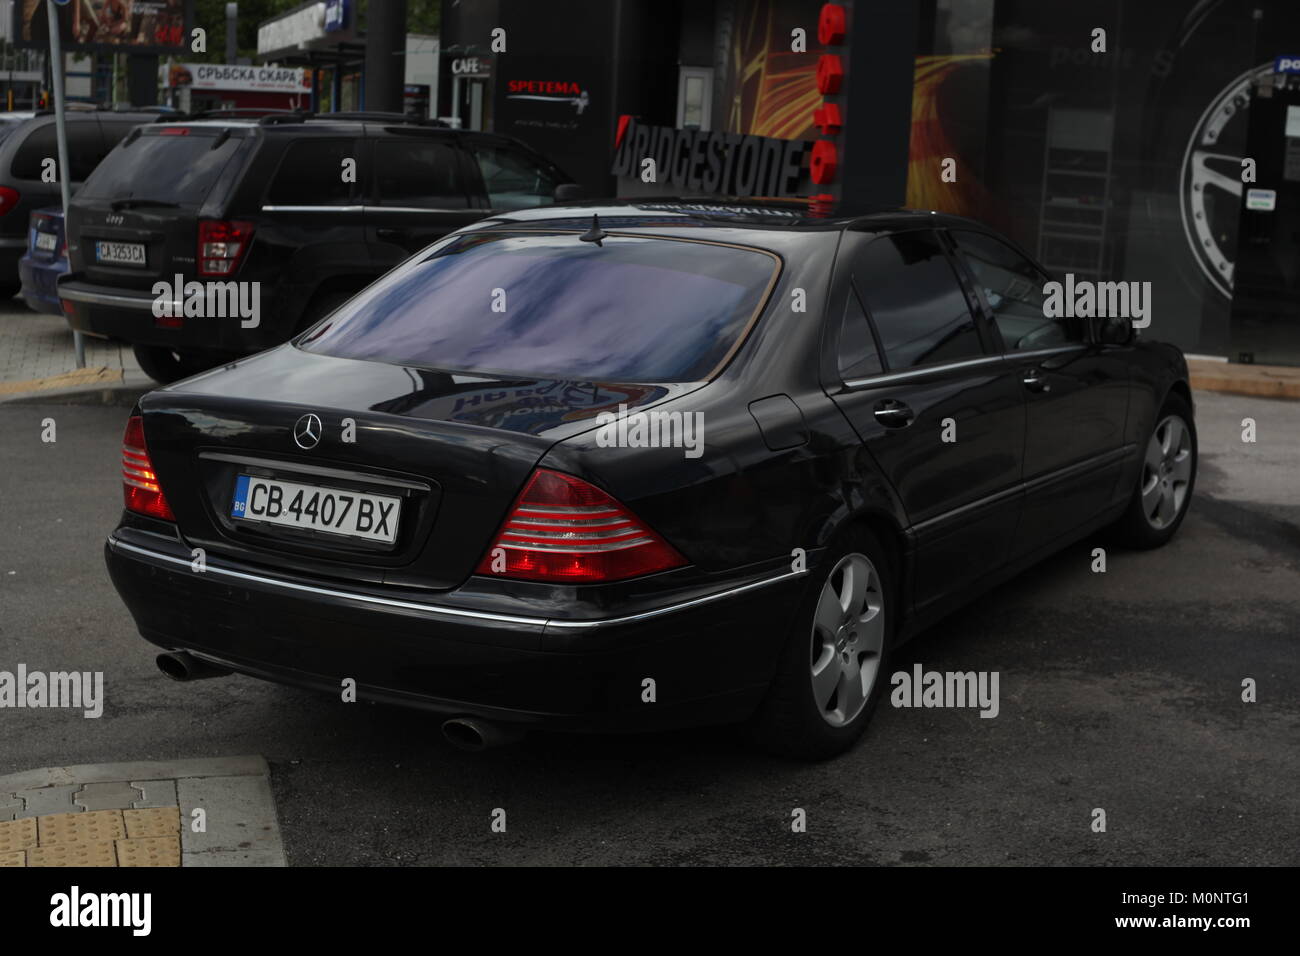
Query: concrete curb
[(1255, 381)]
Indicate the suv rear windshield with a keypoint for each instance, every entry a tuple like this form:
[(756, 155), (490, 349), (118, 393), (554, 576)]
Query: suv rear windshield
[(163, 165), (632, 310)]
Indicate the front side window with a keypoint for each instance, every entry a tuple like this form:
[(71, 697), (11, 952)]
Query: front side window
[(912, 295), (514, 180), (552, 306), (1013, 288)]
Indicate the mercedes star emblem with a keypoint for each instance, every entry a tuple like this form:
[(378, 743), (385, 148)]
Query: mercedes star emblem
[(307, 431)]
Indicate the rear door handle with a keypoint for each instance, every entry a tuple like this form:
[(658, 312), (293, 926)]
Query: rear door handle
[(892, 413), (1035, 381)]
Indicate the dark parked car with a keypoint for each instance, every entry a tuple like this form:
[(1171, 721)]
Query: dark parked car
[(270, 200), (45, 261), (441, 493), (24, 147)]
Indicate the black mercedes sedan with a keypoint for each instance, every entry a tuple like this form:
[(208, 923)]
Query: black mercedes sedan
[(630, 466)]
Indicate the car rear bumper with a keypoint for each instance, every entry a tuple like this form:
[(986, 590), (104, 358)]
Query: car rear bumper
[(710, 658), (128, 315), (40, 285)]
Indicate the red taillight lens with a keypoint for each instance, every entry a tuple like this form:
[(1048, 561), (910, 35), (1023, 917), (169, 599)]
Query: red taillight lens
[(222, 245), (564, 530), (140, 487), (8, 199)]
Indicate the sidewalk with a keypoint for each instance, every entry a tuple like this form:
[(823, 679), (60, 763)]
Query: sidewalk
[(37, 360)]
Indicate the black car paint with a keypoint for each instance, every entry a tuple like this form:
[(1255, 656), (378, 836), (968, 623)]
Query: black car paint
[(794, 456)]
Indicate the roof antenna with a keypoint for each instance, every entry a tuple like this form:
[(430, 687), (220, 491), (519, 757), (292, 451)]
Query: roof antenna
[(595, 233)]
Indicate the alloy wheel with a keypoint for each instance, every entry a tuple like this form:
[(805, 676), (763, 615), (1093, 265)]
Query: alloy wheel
[(847, 639), (1166, 472)]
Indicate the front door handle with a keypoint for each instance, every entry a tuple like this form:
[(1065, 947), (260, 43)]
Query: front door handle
[(892, 413), (1035, 381)]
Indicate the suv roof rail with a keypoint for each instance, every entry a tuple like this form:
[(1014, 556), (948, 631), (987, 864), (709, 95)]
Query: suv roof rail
[(260, 113), (380, 116)]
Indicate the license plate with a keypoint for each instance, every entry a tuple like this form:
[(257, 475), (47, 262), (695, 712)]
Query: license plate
[(120, 253), (352, 514), (46, 241)]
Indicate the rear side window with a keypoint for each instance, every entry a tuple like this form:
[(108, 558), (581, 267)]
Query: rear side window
[(632, 310), (421, 173), (166, 167), (857, 353), (915, 301), (311, 174), (85, 150)]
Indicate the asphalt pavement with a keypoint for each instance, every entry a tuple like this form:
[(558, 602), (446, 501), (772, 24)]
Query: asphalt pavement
[(1120, 691)]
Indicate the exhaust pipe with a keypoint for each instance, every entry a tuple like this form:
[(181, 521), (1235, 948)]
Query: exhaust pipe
[(472, 734), (184, 666)]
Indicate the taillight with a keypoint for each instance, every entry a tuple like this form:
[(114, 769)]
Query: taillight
[(222, 245), (565, 530), (8, 199), (140, 487)]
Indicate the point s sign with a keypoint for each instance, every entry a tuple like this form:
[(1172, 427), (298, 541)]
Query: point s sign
[(723, 164), (1287, 64)]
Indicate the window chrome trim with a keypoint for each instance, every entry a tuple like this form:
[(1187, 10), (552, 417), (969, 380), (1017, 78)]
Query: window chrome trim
[(118, 545), (886, 378), (313, 208)]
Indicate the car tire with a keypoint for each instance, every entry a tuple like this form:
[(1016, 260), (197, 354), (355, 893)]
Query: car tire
[(1165, 481), (9, 289), (165, 365), (822, 697)]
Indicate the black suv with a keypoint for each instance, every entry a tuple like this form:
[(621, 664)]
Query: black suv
[(25, 143), (312, 208)]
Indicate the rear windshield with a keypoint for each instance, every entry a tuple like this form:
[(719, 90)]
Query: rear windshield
[(632, 310), (167, 167)]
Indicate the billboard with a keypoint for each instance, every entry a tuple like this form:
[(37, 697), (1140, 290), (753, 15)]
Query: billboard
[(126, 26)]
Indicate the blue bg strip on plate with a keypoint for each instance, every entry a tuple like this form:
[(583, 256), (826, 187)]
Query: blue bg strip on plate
[(241, 497)]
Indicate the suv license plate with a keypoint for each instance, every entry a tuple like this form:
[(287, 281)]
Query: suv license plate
[(120, 253)]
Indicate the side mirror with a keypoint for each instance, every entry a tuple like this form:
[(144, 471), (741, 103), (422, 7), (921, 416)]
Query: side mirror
[(567, 192), (1115, 331)]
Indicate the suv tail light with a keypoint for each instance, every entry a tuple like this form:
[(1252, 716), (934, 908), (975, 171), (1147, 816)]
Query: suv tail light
[(140, 487), (567, 531), (222, 245), (8, 199)]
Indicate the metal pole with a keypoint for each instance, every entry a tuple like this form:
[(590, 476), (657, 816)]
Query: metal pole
[(61, 132), (232, 22)]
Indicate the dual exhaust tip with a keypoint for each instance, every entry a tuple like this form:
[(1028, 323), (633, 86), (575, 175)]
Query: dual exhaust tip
[(464, 733)]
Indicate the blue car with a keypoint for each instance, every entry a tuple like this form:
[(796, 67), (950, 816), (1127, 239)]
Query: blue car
[(44, 261)]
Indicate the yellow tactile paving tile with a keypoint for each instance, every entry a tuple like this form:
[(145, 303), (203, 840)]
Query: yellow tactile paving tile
[(17, 834), (89, 827), (150, 851), (149, 837), (96, 853), (153, 822)]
